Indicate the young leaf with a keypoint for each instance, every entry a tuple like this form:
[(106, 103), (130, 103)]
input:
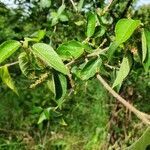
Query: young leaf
[(8, 48), (147, 59), (91, 24), (6, 78), (71, 49), (38, 35), (124, 29), (90, 69), (25, 66), (45, 115), (41, 34), (35, 37), (42, 118), (144, 46), (142, 142), (46, 53), (124, 70)]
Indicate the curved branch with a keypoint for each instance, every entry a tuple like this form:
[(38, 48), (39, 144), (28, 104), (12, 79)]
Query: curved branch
[(145, 118)]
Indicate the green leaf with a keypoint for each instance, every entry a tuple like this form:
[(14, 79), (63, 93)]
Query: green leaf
[(112, 48), (62, 122), (35, 37), (142, 142), (107, 19), (61, 9), (54, 21), (99, 31), (42, 118), (53, 15), (80, 5), (6, 78), (90, 69), (124, 70), (147, 59), (25, 66), (124, 29), (144, 46), (36, 109), (57, 84), (91, 24), (45, 3), (45, 115), (63, 18), (60, 85), (79, 23), (8, 48), (46, 53), (56, 16), (38, 35), (71, 49)]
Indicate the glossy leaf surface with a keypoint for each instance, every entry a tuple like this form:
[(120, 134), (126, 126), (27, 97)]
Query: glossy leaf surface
[(71, 49), (124, 29), (91, 24), (8, 48), (46, 53)]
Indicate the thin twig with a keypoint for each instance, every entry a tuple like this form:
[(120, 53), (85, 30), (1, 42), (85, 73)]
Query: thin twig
[(107, 7), (111, 67), (73, 4), (86, 40), (97, 52), (70, 63), (11, 64), (142, 116), (103, 42)]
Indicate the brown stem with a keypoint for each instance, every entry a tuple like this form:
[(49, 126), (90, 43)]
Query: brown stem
[(139, 114)]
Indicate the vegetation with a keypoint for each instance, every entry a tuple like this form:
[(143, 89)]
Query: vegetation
[(74, 75)]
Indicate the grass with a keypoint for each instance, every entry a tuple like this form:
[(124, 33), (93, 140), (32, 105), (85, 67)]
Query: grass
[(81, 123)]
